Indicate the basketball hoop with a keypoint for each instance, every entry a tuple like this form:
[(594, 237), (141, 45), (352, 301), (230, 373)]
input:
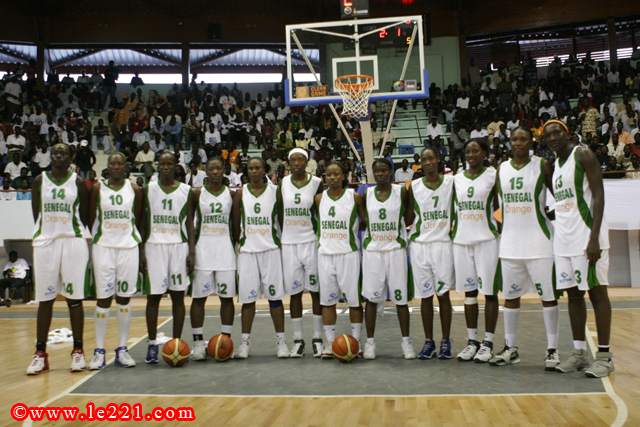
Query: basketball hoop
[(355, 90)]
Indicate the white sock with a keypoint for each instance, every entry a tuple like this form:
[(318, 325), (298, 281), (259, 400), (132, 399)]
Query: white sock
[(153, 342), (552, 325), (245, 337), (317, 326), (226, 329), (370, 341), (405, 340), (296, 325), (330, 332), (511, 317), (488, 336), (124, 320), (472, 334), (197, 331), (280, 336), (101, 318), (580, 345), (356, 330)]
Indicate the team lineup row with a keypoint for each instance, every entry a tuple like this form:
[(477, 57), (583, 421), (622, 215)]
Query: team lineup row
[(296, 237)]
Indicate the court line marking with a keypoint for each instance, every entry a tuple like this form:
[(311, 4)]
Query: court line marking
[(337, 396), (29, 422), (622, 410)]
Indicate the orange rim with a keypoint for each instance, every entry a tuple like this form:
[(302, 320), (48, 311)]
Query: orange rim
[(354, 86)]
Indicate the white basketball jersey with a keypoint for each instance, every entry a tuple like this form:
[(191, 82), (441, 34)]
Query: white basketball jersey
[(338, 224), (574, 209), (434, 209), (473, 219), (260, 230), (300, 222), (214, 245), (386, 229), (115, 225), (59, 210), (167, 213), (526, 230)]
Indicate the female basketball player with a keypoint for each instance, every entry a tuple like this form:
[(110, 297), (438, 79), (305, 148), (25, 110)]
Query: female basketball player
[(115, 210), (298, 222), (60, 207), (257, 232), (527, 263), (475, 248), (164, 255), (384, 260), (212, 247), (338, 253), (431, 249), (581, 246)]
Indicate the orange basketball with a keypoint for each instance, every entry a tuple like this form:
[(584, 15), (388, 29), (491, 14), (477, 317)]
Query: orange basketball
[(220, 348), (176, 352), (345, 348)]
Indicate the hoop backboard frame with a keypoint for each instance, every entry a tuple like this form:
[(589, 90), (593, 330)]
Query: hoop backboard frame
[(381, 23)]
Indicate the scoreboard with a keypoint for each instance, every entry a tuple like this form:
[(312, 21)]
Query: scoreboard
[(350, 9)]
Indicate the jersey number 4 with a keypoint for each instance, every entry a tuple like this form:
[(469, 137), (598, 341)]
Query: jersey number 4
[(332, 211)]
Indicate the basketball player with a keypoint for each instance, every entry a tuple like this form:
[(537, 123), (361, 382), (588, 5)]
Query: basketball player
[(115, 212), (527, 262), (384, 260), (298, 222), (475, 248), (581, 247), (215, 258), (60, 207), (164, 257), (338, 252), (256, 229), (431, 249)]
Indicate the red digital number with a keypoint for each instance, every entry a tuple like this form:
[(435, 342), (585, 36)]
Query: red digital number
[(383, 33), (347, 3)]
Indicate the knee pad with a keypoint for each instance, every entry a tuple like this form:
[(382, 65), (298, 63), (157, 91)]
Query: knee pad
[(470, 300), (275, 304), (73, 303)]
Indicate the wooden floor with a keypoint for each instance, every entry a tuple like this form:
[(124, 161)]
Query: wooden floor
[(52, 389)]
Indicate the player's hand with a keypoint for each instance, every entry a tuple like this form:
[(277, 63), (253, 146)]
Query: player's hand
[(143, 263), (191, 263), (593, 251)]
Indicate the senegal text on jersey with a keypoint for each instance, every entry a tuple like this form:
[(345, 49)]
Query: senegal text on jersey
[(215, 219), (297, 212), (258, 220), (471, 206), (116, 214), (57, 207), (434, 215), (517, 197), (334, 225), (165, 219), (383, 226), (561, 195)]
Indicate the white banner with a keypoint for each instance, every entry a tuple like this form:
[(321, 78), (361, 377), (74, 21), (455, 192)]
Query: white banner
[(622, 203)]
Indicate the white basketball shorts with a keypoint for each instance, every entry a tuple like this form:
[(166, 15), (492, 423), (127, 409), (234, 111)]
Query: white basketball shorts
[(260, 274), (524, 276), (62, 267), (115, 271), (432, 268), (340, 276), (576, 271), (166, 268), (300, 267), (386, 268), (476, 267), (222, 283)]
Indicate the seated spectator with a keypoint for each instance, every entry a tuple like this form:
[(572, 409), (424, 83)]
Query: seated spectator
[(439, 147), (433, 129), (416, 165), (635, 147), (494, 126), (274, 163), (479, 132), (16, 184), (623, 136), (173, 132), (284, 144), (404, 173), (192, 131), (626, 157), (85, 160), (25, 191), (613, 166), (615, 148), (463, 102), (7, 193), (144, 160), (141, 136), (230, 156), (212, 135), (91, 179), (234, 178), (634, 167), (42, 160), (196, 151), (195, 178), (14, 168), (16, 142), (14, 278), (243, 159), (101, 137)]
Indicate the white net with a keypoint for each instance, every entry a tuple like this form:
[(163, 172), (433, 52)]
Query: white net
[(355, 91)]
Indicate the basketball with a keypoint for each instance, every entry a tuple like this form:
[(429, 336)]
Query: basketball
[(176, 352), (220, 348), (345, 348)]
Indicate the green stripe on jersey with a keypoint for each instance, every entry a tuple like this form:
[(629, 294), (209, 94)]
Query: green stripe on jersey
[(183, 216), (540, 187), (352, 222), (148, 215), (454, 216), (74, 215), (198, 222), (497, 279), (98, 235), (400, 240), (492, 227), (367, 240), (274, 230), (585, 212), (39, 231), (243, 237)]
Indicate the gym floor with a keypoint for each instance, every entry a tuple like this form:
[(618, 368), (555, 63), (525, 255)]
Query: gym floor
[(388, 391)]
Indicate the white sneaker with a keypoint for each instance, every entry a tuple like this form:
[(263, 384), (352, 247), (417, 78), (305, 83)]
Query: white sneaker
[(199, 351), (243, 351), (316, 344), (469, 351), (551, 360), (370, 350), (97, 362), (298, 348), (39, 364), (283, 350), (77, 360), (485, 352), (408, 351), (508, 356), (123, 358), (327, 352)]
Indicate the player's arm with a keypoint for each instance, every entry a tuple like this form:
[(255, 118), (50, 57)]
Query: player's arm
[(35, 196), (137, 205), (143, 232), (93, 204), (594, 176), (407, 199), (362, 210), (280, 205), (236, 216), (83, 195), (191, 235), (547, 168)]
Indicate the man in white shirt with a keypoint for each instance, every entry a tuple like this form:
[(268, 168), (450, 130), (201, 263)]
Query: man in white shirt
[(434, 129), (613, 77), (613, 108), (212, 135), (283, 111), (195, 178), (12, 93), (42, 157), (14, 168), (479, 133), (549, 109), (16, 142), (14, 275), (404, 173), (234, 178), (141, 136), (463, 101), (38, 118)]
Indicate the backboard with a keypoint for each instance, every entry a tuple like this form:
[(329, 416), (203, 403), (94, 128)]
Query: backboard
[(388, 49)]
